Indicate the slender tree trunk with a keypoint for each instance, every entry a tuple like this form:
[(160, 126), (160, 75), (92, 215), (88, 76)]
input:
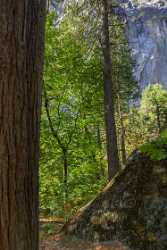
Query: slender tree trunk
[(165, 120), (65, 175), (122, 131), (100, 149), (21, 59), (158, 118), (112, 148)]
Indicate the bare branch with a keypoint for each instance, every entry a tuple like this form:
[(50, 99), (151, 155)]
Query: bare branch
[(73, 131), (54, 132)]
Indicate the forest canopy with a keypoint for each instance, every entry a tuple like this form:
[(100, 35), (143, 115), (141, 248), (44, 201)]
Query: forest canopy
[(73, 164)]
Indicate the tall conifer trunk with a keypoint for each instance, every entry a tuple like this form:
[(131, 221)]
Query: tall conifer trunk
[(112, 148), (21, 59)]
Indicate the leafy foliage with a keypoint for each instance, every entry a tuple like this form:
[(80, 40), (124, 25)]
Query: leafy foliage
[(153, 108), (73, 82), (72, 125), (147, 120), (157, 149)]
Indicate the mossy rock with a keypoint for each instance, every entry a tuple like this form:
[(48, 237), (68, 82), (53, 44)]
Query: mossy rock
[(132, 209)]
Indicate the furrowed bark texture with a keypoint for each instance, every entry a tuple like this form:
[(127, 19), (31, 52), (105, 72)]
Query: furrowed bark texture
[(21, 60)]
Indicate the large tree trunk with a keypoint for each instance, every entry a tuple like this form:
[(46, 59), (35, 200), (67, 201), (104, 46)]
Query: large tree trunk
[(112, 148), (21, 59)]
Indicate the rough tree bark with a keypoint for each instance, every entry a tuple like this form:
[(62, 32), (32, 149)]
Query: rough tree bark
[(112, 148), (21, 59)]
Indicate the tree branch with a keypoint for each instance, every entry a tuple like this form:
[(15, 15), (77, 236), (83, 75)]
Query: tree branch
[(54, 132)]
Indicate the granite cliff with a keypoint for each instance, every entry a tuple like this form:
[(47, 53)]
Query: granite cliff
[(146, 30)]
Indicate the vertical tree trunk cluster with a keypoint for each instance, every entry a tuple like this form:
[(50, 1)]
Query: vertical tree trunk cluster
[(21, 59), (112, 148)]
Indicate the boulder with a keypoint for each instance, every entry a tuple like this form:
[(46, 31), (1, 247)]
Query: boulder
[(132, 209)]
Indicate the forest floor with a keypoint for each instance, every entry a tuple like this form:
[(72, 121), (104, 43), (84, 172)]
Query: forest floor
[(59, 241)]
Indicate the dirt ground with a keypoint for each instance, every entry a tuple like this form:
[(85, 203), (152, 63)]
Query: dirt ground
[(60, 242)]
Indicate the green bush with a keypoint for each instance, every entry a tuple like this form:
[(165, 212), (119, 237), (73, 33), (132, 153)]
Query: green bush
[(157, 149)]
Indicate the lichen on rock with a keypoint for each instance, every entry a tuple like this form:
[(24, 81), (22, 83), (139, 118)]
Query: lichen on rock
[(132, 209)]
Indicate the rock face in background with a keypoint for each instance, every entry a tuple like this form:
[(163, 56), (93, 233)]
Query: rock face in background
[(146, 31), (131, 210)]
